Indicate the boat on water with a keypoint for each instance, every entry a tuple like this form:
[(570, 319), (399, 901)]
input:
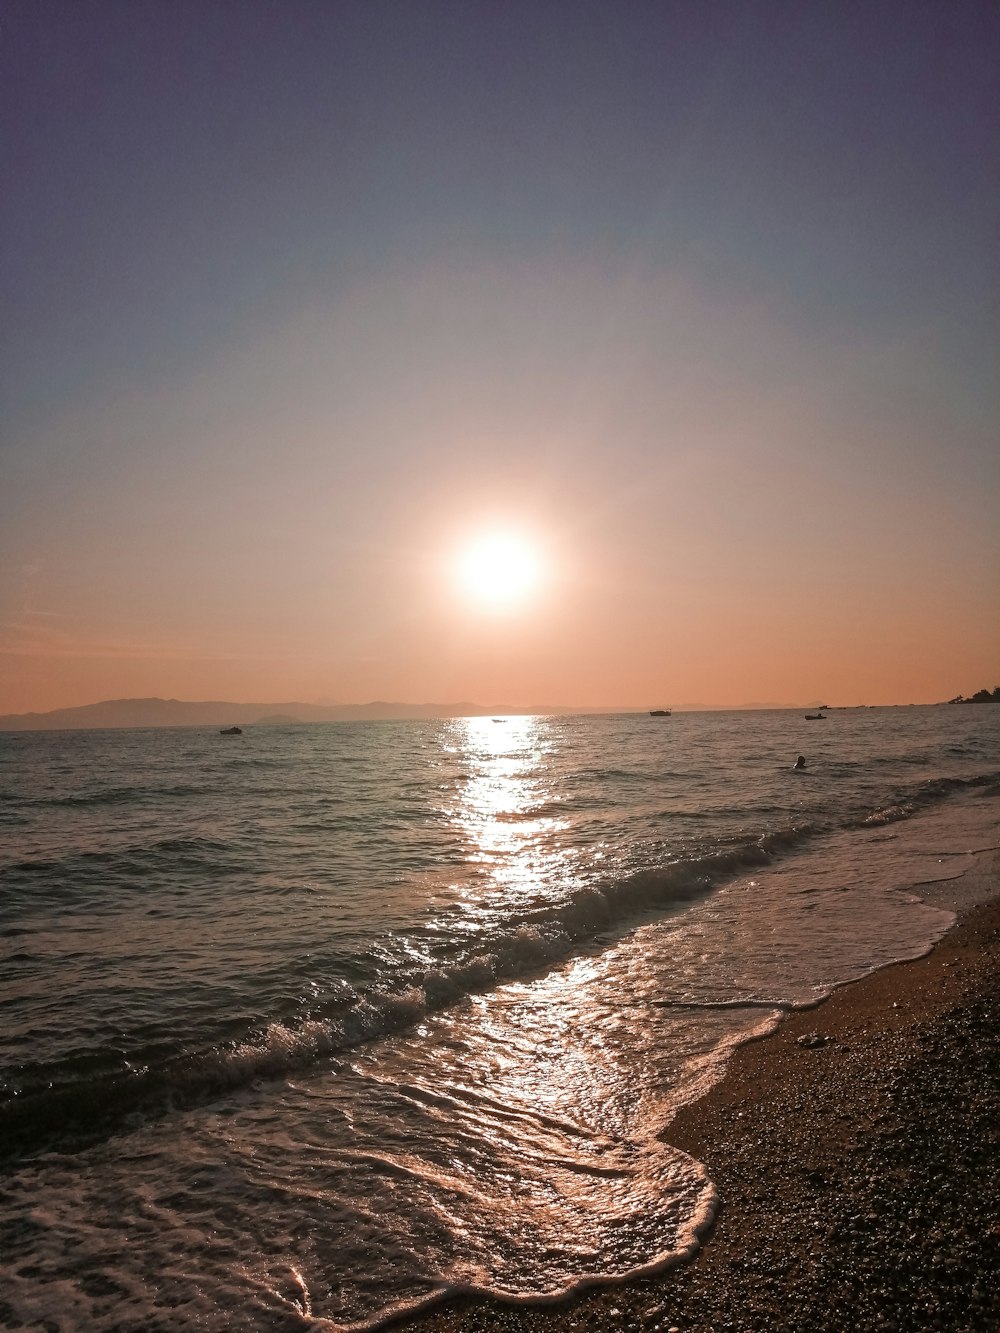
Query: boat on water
[(815, 717), (231, 731), (659, 712)]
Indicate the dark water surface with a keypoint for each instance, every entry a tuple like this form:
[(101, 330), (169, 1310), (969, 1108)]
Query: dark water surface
[(301, 1024)]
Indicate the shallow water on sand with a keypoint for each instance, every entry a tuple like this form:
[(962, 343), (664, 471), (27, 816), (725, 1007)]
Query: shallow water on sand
[(411, 1014)]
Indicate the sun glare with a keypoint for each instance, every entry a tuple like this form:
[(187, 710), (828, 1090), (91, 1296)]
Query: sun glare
[(499, 572)]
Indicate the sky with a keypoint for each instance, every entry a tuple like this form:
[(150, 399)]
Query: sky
[(694, 303)]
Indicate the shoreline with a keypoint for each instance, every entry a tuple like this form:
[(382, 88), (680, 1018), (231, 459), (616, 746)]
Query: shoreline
[(856, 1155)]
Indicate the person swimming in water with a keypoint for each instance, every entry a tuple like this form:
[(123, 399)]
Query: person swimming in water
[(800, 762)]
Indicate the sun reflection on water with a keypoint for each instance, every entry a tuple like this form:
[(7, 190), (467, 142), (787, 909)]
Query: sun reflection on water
[(507, 811)]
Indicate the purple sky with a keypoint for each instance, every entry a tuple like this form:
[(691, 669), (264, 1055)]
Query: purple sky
[(702, 294)]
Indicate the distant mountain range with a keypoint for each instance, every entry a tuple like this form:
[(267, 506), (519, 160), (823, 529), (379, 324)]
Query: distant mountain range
[(219, 713)]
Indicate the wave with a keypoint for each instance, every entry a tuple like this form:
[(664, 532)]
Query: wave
[(906, 804), (76, 1110), (120, 795), (82, 872), (110, 796)]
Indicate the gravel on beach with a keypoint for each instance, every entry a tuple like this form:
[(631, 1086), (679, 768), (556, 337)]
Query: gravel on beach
[(875, 1120)]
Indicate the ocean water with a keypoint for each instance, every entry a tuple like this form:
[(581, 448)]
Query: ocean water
[(307, 1026)]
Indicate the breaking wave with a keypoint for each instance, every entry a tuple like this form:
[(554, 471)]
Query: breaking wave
[(59, 1104)]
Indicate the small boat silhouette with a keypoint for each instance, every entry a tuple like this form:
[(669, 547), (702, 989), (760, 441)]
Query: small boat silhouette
[(231, 731), (659, 712), (815, 717)]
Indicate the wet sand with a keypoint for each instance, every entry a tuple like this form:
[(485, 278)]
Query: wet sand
[(875, 1119)]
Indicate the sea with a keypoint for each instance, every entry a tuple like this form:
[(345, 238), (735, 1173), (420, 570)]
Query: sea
[(312, 1025)]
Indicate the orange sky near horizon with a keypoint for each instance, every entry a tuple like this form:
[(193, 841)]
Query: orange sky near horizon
[(712, 583), (716, 539), (713, 335)]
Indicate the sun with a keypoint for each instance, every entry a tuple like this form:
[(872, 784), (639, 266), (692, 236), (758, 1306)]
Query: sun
[(499, 571)]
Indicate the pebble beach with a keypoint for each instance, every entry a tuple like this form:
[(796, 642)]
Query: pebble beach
[(876, 1117)]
